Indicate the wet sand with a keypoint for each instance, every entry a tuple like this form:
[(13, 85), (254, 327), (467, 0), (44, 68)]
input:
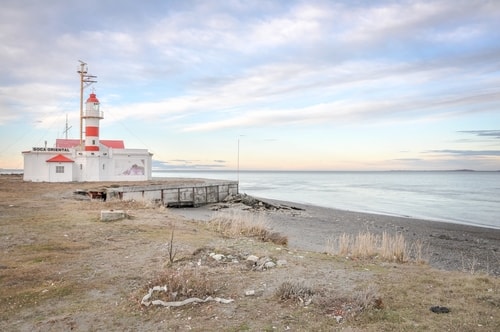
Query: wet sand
[(446, 246)]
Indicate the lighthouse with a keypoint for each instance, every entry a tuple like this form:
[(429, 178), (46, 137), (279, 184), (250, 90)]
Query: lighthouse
[(92, 116), (88, 158)]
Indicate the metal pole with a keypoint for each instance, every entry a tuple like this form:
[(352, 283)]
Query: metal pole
[(85, 81), (82, 68), (238, 163)]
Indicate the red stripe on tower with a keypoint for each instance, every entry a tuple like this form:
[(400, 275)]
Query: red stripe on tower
[(92, 131)]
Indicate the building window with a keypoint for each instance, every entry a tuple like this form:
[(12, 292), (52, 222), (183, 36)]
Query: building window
[(103, 166), (59, 169), (93, 142), (81, 166)]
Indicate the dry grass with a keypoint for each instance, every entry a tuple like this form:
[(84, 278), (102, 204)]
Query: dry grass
[(344, 306), (336, 303), (238, 223), (387, 247), (294, 291), (183, 283)]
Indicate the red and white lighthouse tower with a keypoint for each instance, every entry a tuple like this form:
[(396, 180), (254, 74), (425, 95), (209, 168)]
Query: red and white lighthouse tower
[(92, 116)]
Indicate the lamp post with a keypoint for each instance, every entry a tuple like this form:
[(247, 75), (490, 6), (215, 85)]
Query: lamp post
[(238, 161)]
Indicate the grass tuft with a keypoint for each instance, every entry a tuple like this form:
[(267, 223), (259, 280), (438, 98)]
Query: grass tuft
[(294, 291), (184, 283), (387, 247), (237, 223), (345, 307)]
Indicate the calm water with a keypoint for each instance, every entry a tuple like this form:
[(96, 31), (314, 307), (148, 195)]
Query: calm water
[(459, 197)]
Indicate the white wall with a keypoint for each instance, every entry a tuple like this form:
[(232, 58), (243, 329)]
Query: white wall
[(37, 169), (67, 176), (105, 165)]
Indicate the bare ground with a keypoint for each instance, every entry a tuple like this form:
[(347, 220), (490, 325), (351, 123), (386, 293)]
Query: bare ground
[(62, 269)]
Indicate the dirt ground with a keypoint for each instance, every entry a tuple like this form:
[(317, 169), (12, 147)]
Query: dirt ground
[(63, 269)]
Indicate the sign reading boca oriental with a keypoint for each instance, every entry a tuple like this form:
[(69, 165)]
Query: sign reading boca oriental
[(38, 149)]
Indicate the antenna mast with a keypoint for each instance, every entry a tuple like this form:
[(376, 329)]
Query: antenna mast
[(66, 130), (85, 81)]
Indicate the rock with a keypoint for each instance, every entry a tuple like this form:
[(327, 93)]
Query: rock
[(281, 262), (269, 265), (217, 257), (440, 310), (252, 258), (263, 261), (249, 292), (112, 215)]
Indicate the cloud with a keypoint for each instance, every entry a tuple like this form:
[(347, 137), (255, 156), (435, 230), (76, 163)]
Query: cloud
[(483, 133), (467, 152), (408, 159), (159, 165)]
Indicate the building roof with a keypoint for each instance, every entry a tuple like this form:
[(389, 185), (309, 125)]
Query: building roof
[(60, 159), (71, 143)]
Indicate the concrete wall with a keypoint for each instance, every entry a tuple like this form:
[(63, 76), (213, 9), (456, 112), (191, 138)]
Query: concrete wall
[(178, 196)]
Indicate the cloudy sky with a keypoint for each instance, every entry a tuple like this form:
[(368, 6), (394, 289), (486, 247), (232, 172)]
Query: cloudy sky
[(306, 85)]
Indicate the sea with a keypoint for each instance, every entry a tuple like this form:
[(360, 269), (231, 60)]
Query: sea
[(463, 197)]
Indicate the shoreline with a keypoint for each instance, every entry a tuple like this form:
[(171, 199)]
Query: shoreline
[(387, 214), (447, 246), (403, 216)]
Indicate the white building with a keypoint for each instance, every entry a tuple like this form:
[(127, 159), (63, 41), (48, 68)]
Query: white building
[(87, 160)]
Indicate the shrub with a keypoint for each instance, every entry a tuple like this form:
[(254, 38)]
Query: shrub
[(294, 291), (184, 283)]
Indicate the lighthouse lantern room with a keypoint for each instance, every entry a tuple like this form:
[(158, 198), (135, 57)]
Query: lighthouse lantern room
[(91, 159)]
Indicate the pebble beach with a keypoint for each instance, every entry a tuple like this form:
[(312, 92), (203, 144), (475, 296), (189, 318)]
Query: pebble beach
[(447, 246)]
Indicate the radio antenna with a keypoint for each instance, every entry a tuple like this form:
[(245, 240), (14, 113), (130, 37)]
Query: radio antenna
[(66, 129), (85, 81)]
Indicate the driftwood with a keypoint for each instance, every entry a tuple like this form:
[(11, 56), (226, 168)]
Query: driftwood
[(146, 299)]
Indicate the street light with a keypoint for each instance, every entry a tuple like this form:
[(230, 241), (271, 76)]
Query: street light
[(238, 161)]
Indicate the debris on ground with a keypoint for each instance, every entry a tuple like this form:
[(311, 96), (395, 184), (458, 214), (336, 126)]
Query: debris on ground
[(440, 310), (146, 299), (255, 204)]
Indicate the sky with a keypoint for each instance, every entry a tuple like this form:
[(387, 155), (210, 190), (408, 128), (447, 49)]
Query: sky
[(260, 85)]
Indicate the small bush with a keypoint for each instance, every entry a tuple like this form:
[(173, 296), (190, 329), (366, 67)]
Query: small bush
[(184, 283), (294, 291), (344, 307), (368, 298)]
